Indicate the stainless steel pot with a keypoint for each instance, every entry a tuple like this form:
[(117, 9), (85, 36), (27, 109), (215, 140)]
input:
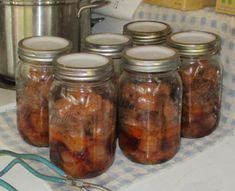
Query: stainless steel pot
[(24, 18)]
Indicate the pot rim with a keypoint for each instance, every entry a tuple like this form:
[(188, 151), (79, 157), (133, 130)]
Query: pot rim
[(37, 2)]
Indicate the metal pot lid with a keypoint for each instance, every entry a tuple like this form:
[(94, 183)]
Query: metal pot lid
[(37, 2), (43, 49), (108, 44), (195, 43), (147, 31), (150, 59), (83, 67)]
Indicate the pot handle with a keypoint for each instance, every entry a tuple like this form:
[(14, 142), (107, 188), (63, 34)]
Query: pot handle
[(95, 4)]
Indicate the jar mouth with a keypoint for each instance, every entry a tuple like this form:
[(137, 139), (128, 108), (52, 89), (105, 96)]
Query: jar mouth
[(150, 59), (195, 43), (83, 67)]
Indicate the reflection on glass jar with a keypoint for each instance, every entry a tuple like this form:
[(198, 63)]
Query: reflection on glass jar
[(34, 77), (149, 110), (201, 74), (83, 115)]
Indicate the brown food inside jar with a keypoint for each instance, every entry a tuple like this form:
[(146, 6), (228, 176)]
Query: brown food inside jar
[(32, 108), (149, 130), (201, 98), (82, 134)]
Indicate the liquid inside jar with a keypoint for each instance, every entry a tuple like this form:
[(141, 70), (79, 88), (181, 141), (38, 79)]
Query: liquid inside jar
[(32, 104), (82, 130), (202, 81), (149, 117)]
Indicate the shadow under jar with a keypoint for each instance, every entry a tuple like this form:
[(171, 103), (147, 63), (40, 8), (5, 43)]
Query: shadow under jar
[(201, 73), (34, 77), (149, 105), (83, 115)]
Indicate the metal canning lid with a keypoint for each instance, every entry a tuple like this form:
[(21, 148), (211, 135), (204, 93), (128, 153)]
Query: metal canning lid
[(147, 32), (43, 49), (195, 43), (37, 2), (83, 67), (108, 44), (150, 59)]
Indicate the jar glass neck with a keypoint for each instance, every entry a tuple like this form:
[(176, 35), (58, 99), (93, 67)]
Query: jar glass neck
[(37, 64), (192, 59), (83, 84), (148, 75)]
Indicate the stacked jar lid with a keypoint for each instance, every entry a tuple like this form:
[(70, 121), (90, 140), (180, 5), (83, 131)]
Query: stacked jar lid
[(147, 32)]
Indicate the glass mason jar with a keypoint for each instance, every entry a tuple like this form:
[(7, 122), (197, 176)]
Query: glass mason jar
[(110, 45), (34, 77), (147, 32), (149, 109), (201, 73), (83, 115)]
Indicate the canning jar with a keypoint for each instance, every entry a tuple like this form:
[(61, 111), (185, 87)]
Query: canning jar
[(147, 32), (149, 108), (110, 45), (83, 115), (34, 76), (201, 73)]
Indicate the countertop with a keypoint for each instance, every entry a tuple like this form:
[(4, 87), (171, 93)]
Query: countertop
[(7, 99), (211, 170)]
